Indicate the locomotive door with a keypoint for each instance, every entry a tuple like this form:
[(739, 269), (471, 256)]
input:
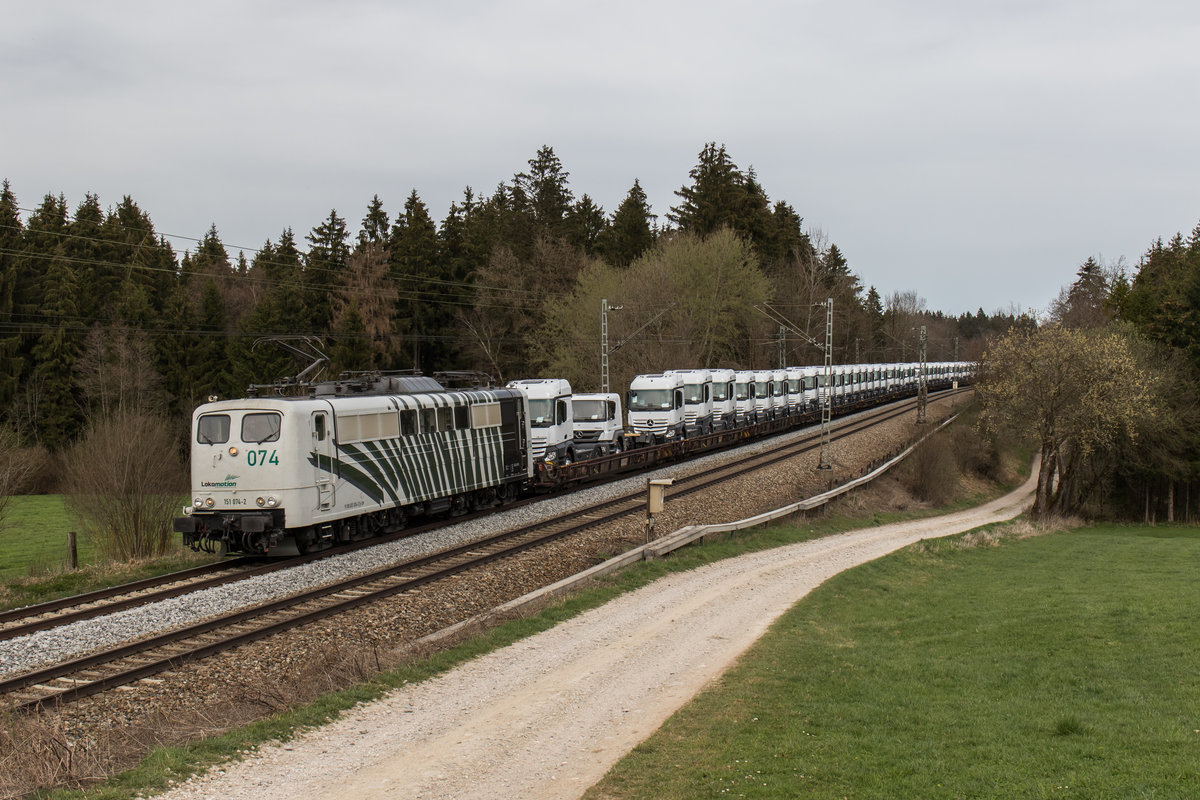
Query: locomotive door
[(323, 468)]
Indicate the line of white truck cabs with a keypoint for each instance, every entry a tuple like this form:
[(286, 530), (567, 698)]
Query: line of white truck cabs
[(685, 403)]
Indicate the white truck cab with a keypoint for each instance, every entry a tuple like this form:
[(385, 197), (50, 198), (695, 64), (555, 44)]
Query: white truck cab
[(810, 379), (598, 424), (743, 394), (656, 408), (795, 390), (764, 394), (697, 400), (724, 401), (552, 434), (779, 393)]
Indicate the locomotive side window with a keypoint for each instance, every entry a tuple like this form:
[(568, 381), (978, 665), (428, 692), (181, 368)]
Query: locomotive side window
[(368, 427), (462, 418), (428, 420), (485, 415), (408, 422), (319, 427), (213, 429), (259, 428), (445, 417)]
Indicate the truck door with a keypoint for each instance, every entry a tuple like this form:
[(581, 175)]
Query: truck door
[(324, 469)]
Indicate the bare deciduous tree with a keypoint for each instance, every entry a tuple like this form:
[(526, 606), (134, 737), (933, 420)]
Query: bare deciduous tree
[(123, 480), (367, 289), (1062, 385), (17, 468), (688, 302), (116, 372)]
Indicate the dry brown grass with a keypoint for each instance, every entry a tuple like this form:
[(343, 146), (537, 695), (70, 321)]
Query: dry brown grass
[(35, 753), (992, 536)]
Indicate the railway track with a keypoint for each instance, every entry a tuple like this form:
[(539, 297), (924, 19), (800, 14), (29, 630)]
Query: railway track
[(44, 616), (141, 660)]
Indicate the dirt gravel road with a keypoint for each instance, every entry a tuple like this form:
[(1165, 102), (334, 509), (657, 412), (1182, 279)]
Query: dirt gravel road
[(547, 716)]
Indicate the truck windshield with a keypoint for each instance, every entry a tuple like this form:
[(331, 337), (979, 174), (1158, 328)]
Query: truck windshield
[(720, 391), (649, 399), (741, 391), (693, 393), (541, 413), (589, 410)]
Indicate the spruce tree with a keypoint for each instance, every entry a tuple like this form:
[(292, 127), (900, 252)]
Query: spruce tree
[(542, 192), (374, 225), (716, 197), (421, 280), (97, 275), (54, 353), (585, 225), (11, 234), (631, 231), (324, 265), (144, 257)]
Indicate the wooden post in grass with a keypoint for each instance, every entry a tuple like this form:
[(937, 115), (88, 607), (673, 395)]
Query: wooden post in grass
[(72, 551)]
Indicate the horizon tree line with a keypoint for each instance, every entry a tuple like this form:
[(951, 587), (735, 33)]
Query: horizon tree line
[(98, 312)]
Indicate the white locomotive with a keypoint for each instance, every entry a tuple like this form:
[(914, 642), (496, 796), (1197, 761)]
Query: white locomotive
[(349, 461)]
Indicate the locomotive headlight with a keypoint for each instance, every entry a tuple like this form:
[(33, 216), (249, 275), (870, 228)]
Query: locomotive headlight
[(272, 502), (198, 503), (208, 501), (267, 502), (233, 451), (260, 502)]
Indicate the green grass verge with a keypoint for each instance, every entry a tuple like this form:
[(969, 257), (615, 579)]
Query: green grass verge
[(33, 556), (34, 537), (1057, 666)]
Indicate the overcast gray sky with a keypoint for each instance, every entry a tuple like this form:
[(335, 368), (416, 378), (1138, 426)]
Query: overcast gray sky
[(974, 152)]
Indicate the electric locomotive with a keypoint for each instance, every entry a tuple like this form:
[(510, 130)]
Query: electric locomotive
[(273, 475)]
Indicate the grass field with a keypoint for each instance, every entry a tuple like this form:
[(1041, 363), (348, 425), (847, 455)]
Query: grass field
[(33, 556), (1058, 666), (34, 538)]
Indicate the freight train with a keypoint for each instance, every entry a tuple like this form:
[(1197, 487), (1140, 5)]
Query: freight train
[(359, 457)]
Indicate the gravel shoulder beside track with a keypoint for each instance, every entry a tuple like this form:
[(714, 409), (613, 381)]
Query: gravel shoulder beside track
[(547, 716)]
